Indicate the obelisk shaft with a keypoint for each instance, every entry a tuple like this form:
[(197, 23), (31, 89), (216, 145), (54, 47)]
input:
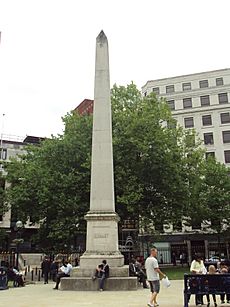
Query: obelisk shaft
[(102, 183), (102, 220)]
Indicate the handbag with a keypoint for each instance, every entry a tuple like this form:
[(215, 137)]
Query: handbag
[(166, 282)]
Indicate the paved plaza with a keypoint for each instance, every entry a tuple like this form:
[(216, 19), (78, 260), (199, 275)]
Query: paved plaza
[(40, 295)]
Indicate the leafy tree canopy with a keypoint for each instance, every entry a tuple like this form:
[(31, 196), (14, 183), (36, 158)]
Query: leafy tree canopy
[(159, 170)]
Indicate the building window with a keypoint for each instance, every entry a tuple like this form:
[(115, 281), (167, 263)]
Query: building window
[(219, 81), (156, 90), (188, 122), (208, 138), (227, 156), (171, 104), (210, 154), (207, 120), (145, 94), (3, 153), (187, 103), (204, 100), (170, 89), (226, 136), (203, 83), (186, 86), (225, 118), (223, 97)]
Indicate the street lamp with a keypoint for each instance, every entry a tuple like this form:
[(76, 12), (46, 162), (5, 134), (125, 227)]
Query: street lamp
[(18, 239)]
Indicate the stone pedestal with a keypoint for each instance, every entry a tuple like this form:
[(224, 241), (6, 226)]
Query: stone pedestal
[(87, 284), (102, 241)]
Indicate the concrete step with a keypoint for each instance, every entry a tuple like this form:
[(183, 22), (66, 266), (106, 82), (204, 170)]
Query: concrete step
[(122, 271), (87, 284)]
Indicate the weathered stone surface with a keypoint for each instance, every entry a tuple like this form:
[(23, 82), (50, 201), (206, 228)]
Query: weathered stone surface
[(113, 271), (102, 220), (87, 284)]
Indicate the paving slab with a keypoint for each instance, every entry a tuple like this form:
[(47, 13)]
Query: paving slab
[(40, 295)]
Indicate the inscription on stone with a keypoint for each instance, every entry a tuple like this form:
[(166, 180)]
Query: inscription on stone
[(101, 235)]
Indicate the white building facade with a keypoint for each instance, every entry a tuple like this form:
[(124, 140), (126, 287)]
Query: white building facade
[(200, 101)]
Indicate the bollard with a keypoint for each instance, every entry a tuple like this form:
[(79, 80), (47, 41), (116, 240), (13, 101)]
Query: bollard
[(25, 271), (32, 275), (39, 275), (24, 262), (28, 268), (36, 271)]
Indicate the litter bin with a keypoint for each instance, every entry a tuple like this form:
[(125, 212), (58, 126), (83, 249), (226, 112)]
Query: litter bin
[(3, 278)]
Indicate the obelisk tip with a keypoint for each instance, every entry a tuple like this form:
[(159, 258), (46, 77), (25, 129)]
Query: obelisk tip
[(101, 38)]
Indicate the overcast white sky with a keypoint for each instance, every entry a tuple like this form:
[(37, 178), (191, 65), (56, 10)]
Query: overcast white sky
[(47, 51)]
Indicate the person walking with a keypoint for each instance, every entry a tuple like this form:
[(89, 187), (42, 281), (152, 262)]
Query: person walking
[(45, 269), (153, 276)]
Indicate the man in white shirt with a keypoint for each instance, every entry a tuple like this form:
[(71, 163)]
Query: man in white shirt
[(64, 271), (153, 276)]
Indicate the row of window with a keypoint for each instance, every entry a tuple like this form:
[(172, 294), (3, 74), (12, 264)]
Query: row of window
[(226, 155), (204, 101), (187, 86), (209, 140), (207, 120)]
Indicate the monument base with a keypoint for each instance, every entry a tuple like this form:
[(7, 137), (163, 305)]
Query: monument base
[(81, 280), (87, 284), (92, 261), (122, 271)]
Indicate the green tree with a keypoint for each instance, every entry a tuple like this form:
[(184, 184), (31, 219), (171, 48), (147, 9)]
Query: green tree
[(158, 168), (153, 158), (51, 183)]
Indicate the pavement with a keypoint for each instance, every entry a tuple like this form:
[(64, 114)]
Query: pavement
[(40, 295)]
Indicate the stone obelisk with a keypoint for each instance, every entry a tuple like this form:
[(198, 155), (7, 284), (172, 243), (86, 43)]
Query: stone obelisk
[(102, 220)]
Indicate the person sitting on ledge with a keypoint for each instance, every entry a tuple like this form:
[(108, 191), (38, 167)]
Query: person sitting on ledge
[(102, 272), (136, 270), (64, 271)]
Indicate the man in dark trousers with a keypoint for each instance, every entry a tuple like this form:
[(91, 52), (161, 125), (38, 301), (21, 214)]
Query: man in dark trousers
[(136, 270), (104, 274), (45, 269)]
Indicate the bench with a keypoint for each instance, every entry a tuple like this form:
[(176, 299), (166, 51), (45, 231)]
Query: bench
[(218, 284)]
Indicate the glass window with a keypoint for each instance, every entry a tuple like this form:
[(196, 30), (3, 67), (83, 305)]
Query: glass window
[(208, 138), (188, 122), (226, 136), (210, 154), (156, 90), (207, 120), (227, 156), (223, 97), (3, 153), (225, 118), (203, 83), (171, 104), (186, 86), (187, 103), (170, 89), (204, 100), (219, 81)]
